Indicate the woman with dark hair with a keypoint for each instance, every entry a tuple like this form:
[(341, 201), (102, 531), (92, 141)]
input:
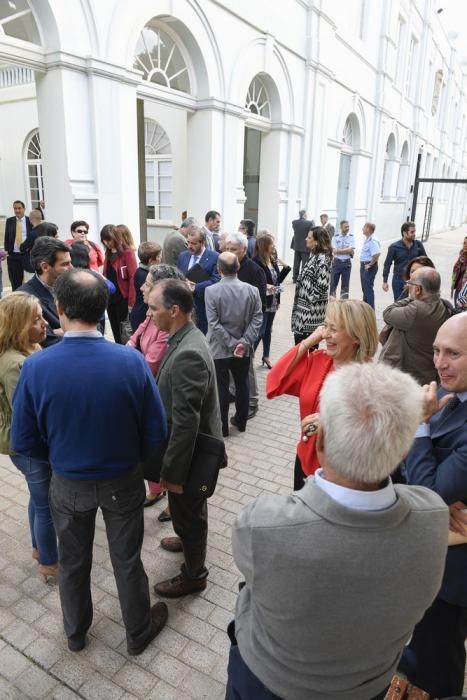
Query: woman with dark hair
[(459, 273), (119, 267), (248, 226), (312, 288), (264, 258), (79, 232)]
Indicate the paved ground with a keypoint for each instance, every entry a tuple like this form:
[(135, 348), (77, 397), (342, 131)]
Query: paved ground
[(188, 659)]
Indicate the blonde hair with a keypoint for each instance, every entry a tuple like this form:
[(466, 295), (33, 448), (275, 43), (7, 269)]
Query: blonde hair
[(126, 236), (17, 314), (359, 321)]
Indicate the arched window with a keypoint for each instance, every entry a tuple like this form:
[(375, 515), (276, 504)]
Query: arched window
[(388, 182), (161, 59), (34, 169), (17, 21), (403, 177), (257, 98), (347, 134), (158, 157)]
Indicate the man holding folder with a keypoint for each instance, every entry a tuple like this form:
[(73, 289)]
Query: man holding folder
[(200, 268)]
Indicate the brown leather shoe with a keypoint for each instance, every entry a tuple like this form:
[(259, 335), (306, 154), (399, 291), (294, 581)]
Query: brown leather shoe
[(179, 586), (159, 615), (172, 544)]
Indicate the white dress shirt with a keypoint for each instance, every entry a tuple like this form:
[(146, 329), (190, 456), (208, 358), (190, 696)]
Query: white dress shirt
[(380, 499)]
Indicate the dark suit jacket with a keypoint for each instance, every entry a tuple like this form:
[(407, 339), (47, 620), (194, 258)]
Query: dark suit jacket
[(208, 262), (188, 388), (269, 280), (10, 232), (251, 273), (439, 462), (300, 232), (49, 310)]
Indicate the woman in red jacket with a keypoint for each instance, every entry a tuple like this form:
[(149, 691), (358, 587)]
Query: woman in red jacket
[(350, 333), (119, 267)]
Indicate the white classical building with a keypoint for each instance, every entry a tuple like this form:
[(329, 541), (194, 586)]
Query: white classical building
[(135, 112)]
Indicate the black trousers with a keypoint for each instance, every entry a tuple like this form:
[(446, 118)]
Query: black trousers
[(15, 270), (299, 259), (117, 312), (239, 367), (74, 505), (190, 522), (435, 658), (299, 475)]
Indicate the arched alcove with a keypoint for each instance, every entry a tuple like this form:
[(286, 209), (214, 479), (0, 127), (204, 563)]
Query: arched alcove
[(388, 182), (403, 177)]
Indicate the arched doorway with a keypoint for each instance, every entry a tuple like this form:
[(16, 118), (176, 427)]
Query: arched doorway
[(258, 103), (350, 144)]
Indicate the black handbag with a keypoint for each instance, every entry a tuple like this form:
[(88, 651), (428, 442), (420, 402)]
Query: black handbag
[(209, 456)]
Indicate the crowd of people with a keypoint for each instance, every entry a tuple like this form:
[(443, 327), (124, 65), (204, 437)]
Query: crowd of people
[(358, 573)]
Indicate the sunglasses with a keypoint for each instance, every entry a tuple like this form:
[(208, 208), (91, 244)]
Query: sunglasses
[(81, 230)]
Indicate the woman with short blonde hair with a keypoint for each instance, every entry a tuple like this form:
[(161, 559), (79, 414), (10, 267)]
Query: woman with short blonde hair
[(350, 333), (22, 328)]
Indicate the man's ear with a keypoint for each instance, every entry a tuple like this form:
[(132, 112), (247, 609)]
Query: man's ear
[(44, 266), (60, 310), (320, 440)]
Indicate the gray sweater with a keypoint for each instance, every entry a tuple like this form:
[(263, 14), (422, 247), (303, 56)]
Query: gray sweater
[(332, 594)]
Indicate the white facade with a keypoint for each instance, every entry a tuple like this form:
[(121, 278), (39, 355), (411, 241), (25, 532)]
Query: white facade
[(341, 97)]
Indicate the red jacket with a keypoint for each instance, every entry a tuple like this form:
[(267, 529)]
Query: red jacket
[(304, 381), (125, 267)]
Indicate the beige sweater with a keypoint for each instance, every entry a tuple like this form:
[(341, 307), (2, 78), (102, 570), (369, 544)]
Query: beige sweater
[(10, 366)]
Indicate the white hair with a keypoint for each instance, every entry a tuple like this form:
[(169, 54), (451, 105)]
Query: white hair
[(369, 414), (238, 239)]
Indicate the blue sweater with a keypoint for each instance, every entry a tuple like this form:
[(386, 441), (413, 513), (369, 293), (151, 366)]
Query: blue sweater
[(89, 406)]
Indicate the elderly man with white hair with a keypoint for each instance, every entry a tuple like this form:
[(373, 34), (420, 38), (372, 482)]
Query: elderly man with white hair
[(338, 574)]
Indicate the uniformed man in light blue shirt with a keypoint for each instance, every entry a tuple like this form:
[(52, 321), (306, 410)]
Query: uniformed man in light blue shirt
[(343, 248), (371, 250)]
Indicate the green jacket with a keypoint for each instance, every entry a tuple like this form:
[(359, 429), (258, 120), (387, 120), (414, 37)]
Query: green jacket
[(188, 388), (10, 366)]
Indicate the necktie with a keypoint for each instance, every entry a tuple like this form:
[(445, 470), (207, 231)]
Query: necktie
[(194, 260), (449, 409), (19, 233)]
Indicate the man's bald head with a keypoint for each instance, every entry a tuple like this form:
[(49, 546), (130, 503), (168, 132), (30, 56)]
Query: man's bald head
[(450, 353), (227, 264), (429, 280), (81, 296)]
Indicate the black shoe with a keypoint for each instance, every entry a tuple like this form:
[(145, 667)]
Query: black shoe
[(231, 398), (77, 643), (164, 517), (252, 411), (240, 428), (225, 431), (159, 615)]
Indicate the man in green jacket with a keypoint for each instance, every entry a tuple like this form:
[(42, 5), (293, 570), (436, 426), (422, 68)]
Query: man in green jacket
[(187, 385)]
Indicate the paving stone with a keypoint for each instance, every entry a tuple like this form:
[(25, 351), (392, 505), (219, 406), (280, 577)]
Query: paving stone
[(28, 610), (64, 693), (168, 668), (199, 657), (170, 641), (35, 682), (19, 634), (192, 627), (163, 691), (9, 692), (109, 632), (99, 688), (102, 658), (200, 686), (72, 670), (12, 663), (8, 594), (135, 679), (45, 651)]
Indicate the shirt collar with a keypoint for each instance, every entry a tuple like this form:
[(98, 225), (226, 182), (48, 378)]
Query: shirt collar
[(199, 255), (83, 334), (44, 284), (381, 499), (462, 396)]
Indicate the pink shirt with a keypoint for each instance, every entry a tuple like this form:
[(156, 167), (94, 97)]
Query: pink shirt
[(151, 342)]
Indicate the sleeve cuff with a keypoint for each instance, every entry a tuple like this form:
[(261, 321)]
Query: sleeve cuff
[(423, 430)]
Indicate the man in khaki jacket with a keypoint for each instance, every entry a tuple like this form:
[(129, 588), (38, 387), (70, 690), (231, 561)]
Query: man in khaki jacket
[(414, 323)]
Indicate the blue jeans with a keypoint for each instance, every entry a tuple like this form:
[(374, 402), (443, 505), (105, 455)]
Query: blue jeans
[(367, 279), (341, 269), (242, 684), (398, 284), (38, 475)]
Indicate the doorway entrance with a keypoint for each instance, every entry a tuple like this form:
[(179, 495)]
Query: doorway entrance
[(251, 167), (343, 185)]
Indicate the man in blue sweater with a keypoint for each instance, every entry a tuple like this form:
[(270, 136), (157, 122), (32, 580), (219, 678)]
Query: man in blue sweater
[(93, 410)]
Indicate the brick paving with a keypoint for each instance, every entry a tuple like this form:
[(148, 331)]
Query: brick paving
[(188, 659)]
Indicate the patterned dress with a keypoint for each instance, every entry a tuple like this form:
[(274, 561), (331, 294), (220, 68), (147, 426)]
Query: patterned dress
[(311, 294)]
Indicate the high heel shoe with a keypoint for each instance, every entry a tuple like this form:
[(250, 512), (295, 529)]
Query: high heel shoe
[(49, 571), (265, 361)]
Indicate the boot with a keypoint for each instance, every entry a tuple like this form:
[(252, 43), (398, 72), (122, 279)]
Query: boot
[(192, 577)]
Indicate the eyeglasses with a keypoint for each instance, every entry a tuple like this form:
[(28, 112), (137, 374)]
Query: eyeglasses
[(81, 230), (413, 284)]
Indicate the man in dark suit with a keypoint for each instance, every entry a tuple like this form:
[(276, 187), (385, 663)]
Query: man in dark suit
[(189, 262), (17, 228), (187, 385), (50, 258), (435, 657), (300, 227), (251, 273)]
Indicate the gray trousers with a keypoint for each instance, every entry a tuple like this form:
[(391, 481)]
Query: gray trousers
[(74, 505)]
